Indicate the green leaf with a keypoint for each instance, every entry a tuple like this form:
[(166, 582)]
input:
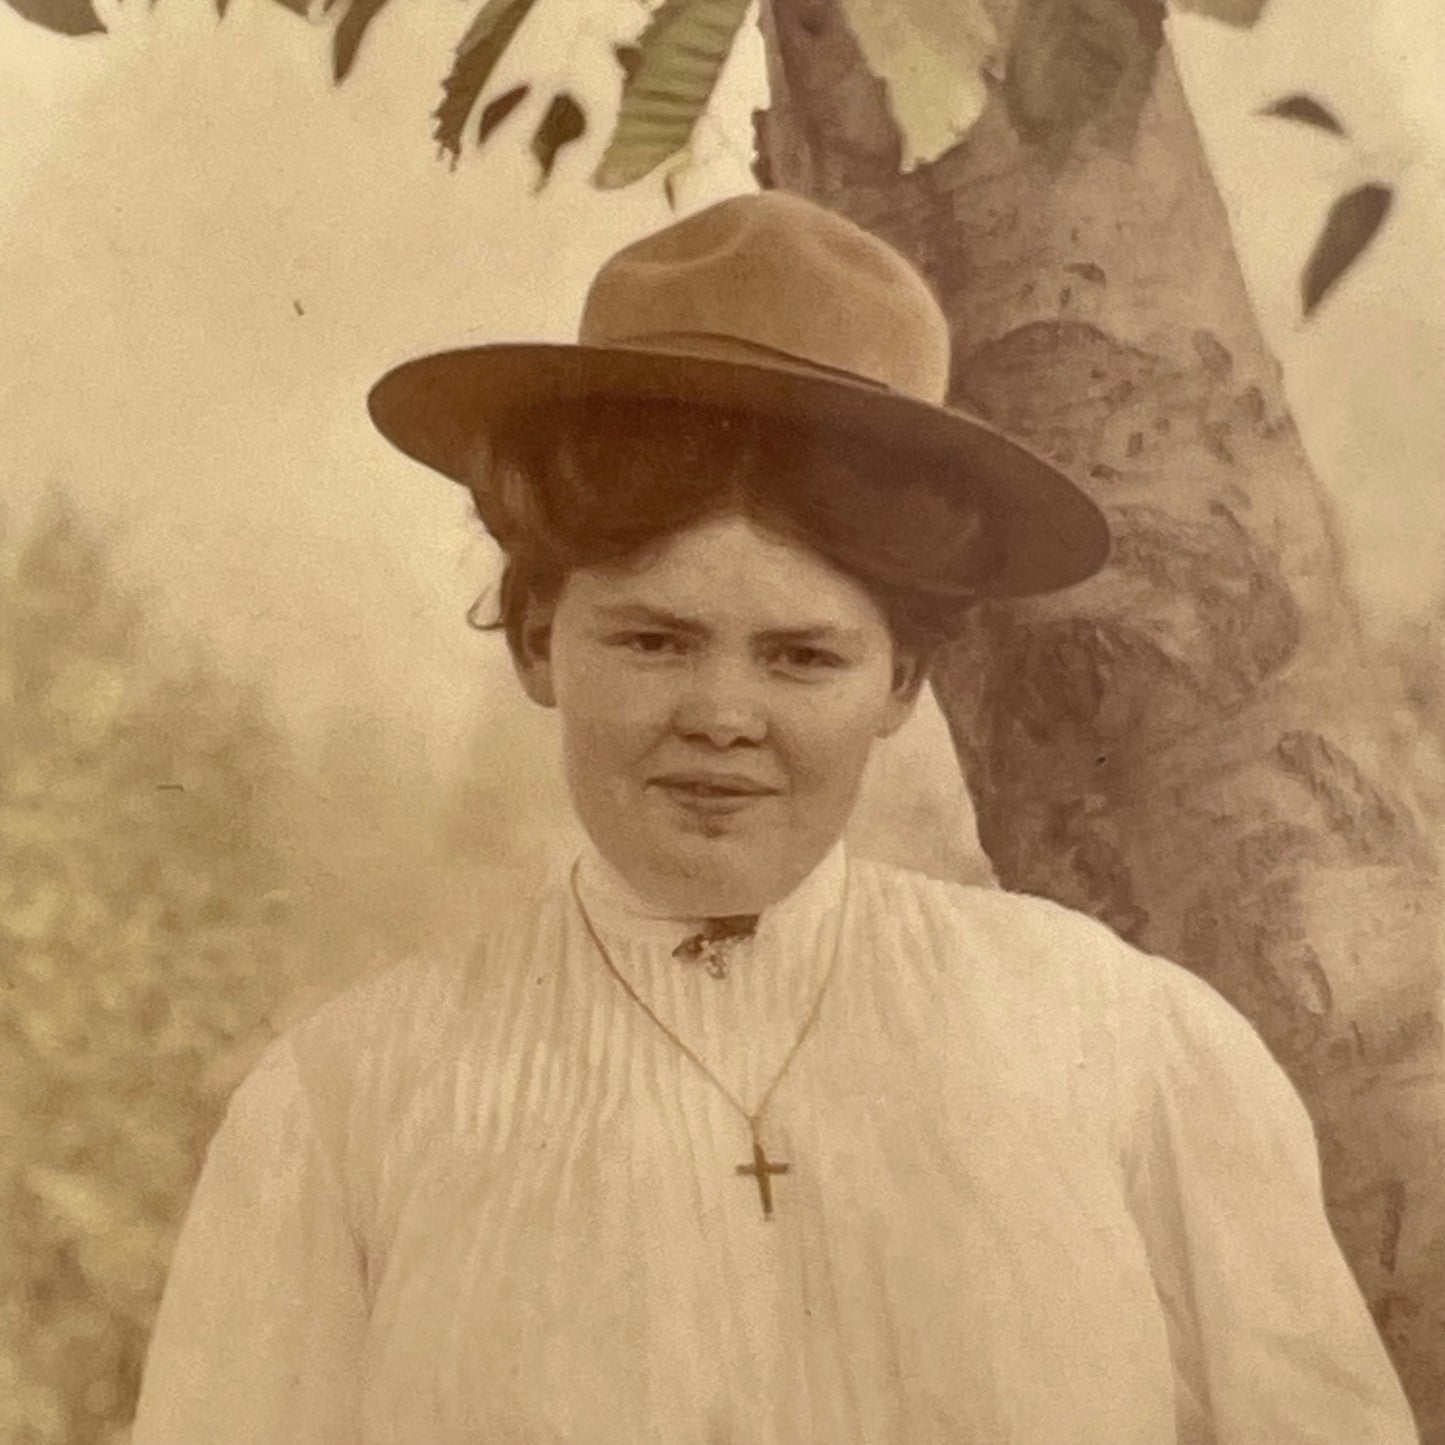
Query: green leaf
[(1080, 64), (1307, 111), (350, 31), (682, 54), (477, 55), (629, 57), (1233, 12), (65, 17), (296, 7), (496, 111), (563, 123), (930, 56), (1352, 224)]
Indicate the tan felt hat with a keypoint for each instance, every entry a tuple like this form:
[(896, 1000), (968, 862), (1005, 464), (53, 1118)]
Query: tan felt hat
[(772, 305)]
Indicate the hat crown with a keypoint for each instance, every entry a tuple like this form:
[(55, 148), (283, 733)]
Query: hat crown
[(781, 278)]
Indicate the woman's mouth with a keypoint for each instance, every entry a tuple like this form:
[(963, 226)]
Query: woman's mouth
[(713, 793)]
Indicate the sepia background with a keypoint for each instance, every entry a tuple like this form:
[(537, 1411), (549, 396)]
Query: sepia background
[(250, 749)]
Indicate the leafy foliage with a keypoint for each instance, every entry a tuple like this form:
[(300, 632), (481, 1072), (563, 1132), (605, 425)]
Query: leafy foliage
[(496, 111), (1079, 64), (1351, 225), (477, 55), (629, 57), (297, 7), (350, 31), (138, 933), (563, 123), (682, 52), (1232, 12), (931, 56), (1354, 220), (1307, 111), (65, 17), (1071, 63)]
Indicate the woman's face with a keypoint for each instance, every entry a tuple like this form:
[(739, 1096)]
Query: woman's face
[(719, 700)]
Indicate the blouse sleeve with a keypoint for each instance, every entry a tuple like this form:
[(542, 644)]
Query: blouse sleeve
[(259, 1331), (1271, 1335)]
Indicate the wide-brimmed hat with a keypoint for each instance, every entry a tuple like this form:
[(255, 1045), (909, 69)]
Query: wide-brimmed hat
[(771, 305)]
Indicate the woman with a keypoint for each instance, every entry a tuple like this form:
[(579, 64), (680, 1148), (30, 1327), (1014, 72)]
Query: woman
[(724, 1136)]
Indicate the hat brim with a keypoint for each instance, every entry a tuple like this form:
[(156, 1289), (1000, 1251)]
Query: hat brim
[(1049, 534)]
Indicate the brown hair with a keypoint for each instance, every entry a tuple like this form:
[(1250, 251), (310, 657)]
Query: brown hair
[(594, 483)]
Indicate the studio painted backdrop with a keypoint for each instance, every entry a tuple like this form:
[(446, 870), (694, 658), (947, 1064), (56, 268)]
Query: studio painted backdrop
[(251, 748)]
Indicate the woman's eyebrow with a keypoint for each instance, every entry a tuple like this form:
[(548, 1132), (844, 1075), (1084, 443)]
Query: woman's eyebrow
[(813, 632), (639, 614)]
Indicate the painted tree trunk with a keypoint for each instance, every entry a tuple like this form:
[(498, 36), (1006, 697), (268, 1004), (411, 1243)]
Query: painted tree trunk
[(1190, 746)]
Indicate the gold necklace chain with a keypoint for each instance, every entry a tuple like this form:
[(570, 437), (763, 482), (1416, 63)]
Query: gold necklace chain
[(753, 1118)]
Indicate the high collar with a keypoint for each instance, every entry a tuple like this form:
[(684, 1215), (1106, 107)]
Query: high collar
[(619, 912)]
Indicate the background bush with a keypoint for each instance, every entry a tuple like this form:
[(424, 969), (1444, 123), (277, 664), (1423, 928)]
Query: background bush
[(141, 926)]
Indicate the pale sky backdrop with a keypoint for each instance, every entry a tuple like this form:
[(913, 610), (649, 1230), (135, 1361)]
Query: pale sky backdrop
[(207, 254)]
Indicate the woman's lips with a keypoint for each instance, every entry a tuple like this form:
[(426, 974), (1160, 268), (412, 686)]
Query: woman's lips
[(714, 794)]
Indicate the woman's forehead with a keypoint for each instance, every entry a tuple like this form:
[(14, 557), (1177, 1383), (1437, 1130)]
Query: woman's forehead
[(730, 568)]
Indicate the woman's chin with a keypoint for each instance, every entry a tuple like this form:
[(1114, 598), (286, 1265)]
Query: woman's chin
[(708, 883), (711, 877)]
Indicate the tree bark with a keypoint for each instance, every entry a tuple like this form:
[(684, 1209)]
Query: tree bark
[(1190, 746)]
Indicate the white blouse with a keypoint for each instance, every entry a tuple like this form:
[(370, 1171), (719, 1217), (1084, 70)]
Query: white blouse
[(1042, 1189)]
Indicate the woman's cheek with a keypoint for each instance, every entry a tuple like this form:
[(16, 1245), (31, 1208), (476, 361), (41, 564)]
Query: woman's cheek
[(822, 760), (838, 723), (604, 698)]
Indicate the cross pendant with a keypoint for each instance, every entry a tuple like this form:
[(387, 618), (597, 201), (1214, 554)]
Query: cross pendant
[(762, 1169)]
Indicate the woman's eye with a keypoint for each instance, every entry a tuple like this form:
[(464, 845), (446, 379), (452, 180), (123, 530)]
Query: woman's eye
[(653, 644), (809, 659)]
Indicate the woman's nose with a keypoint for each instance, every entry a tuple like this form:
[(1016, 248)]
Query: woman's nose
[(722, 704)]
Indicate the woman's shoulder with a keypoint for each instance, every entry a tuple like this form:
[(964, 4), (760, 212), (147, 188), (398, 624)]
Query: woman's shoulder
[(1018, 940), (409, 1009), (1029, 925), (1022, 968)]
